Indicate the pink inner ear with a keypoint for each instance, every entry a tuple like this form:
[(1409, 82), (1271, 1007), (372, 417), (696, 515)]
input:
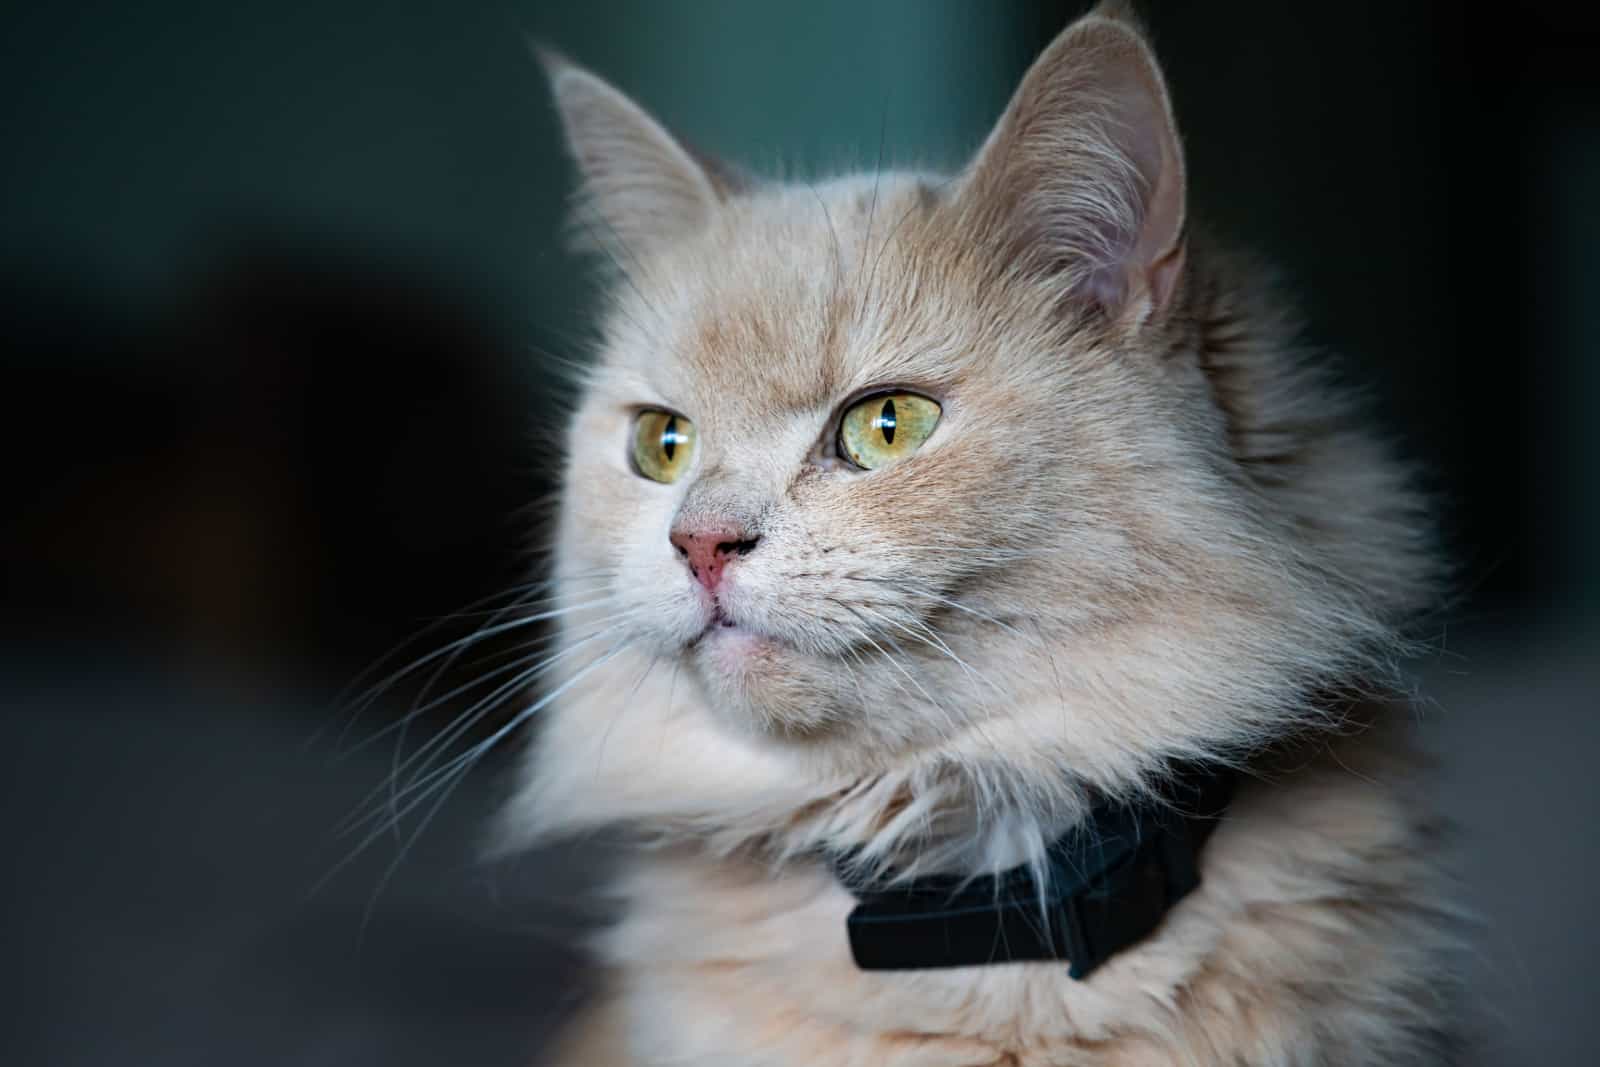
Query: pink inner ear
[(1164, 275), (1141, 130), (1087, 165)]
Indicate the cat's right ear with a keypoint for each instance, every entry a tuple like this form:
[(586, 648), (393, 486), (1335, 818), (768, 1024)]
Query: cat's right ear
[(640, 187)]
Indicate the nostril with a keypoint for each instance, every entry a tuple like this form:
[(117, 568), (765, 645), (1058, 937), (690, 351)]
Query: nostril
[(706, 552), (744, 548)]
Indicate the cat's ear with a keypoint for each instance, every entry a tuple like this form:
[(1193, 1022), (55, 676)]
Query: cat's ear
[(640, 186), (1083, 175)]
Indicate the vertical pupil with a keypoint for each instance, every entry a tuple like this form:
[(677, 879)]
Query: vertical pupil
[(669, 436), (886, 421)]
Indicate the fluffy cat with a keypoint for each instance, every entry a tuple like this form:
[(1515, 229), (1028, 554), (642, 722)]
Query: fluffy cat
[(907, 516)]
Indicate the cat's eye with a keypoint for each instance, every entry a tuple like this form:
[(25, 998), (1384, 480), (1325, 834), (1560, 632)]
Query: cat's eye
[(662, 445), (886, 428)]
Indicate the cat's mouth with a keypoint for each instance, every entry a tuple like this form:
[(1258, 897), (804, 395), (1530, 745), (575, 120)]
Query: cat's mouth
[(729, 636), (720, 620)]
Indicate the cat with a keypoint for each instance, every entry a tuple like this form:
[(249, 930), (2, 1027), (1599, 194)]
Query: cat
[(910, 523)]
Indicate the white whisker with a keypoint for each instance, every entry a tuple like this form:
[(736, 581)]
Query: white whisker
[(462, 764)]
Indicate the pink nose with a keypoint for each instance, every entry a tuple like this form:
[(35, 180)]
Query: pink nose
[(707, 551)]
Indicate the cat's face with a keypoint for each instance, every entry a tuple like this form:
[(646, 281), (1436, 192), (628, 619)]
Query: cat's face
[(807, 573), (901, 435), (813, 567), (972, 471)]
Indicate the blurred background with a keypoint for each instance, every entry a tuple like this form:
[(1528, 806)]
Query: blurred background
[(283, 292)]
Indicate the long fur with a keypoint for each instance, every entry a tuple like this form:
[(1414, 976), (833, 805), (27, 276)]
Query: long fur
[(1147, 527)]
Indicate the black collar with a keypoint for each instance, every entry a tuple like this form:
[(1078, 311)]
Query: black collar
[(1111, 880)]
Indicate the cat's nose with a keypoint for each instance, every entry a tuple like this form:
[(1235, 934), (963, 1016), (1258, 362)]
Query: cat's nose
[(707, 550)]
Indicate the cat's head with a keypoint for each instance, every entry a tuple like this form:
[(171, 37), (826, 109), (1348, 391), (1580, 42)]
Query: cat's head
[(992, 472)]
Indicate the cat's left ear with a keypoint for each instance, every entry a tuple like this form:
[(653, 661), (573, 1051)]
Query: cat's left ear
[(1083, 178), (643, 187)]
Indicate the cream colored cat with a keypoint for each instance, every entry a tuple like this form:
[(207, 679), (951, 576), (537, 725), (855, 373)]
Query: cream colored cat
[(907, 518)]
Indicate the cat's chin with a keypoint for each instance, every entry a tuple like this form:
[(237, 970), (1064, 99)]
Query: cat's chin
[(733, 648), (760, 683)]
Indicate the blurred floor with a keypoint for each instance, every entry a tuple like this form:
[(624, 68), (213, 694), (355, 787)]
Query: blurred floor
[(165, 842)]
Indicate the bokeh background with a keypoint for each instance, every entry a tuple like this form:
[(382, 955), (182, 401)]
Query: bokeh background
[(284, 293)]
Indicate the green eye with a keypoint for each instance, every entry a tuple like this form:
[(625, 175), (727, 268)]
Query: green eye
[(885, 429), (662, 445)]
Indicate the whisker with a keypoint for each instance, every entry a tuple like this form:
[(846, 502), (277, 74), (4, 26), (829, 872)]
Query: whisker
[(464, 722), (889, 237), (522, 651), (622, 707), (465, 762), (394, 864), (877, 178), (481, 634), (418, 709), (586, 215), (931, 638), (488, 704), (916, 589), (346, 705), (863, 631), (838, 252), (477, 751)]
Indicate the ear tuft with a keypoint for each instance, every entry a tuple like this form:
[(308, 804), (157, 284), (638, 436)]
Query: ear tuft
[(1083, 177), (1119, 11), (640, 187)]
